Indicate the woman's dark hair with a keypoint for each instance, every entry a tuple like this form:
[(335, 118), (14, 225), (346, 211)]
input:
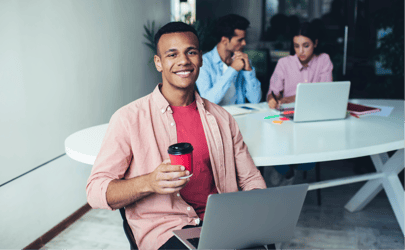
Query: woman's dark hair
[(173, 27), (226, 26), (311, 30)]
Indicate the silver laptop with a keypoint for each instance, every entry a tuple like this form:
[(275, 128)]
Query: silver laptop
[(320, 101), (247, 219)]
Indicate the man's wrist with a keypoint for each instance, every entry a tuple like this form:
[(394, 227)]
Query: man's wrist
[(235, 69), (146, 183)]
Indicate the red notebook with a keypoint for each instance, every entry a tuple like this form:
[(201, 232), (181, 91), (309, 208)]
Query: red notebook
[(361, 109)]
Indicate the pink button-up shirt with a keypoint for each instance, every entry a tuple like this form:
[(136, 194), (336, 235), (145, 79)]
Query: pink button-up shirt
[(289, 72), (136, 142)]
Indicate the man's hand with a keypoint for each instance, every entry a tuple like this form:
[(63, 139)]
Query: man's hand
[(238, 64), (245, 58), (164, 179)]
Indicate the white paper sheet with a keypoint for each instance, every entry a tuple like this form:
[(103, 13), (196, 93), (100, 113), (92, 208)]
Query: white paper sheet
[(236, 110)]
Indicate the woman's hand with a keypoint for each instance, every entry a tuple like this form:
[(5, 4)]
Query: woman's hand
[(273, 103)]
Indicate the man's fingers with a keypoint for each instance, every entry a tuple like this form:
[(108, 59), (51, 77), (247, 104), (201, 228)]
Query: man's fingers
[(172, 168), (166, 161), (178, 183), (169, 176), (241, 54)]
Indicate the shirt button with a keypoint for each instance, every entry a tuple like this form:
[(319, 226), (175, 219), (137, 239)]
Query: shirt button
[(197, 221), (188, 208), (172, 123), (163, 110), (169, 108), (178, 194)]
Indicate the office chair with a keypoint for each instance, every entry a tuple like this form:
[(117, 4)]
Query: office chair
[(127, 230), (317, 178), (130, 236), (260, 59)]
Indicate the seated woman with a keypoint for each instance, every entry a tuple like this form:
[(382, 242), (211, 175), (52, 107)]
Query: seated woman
[(305, 65)]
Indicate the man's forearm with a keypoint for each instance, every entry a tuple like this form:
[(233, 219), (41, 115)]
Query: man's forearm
[(252, 87), (121, 193)]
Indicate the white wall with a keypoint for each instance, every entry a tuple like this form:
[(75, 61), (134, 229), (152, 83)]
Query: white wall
[(64, 66), (38, 201), (250, 9)]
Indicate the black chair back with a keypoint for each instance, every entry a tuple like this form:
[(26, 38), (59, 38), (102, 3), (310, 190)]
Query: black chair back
[(127, 230)]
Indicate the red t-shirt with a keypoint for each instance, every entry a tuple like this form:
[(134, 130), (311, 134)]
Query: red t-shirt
[(189, 129)]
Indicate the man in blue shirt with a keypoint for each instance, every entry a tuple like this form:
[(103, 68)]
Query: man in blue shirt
[(227, 76)]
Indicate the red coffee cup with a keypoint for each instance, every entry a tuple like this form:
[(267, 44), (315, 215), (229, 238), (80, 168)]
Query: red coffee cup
[(182, 154)]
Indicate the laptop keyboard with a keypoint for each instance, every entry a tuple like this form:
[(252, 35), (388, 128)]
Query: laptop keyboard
[(194, 241)]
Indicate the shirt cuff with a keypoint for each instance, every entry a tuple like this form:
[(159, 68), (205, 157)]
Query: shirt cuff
[(249, 74), (232, 70)]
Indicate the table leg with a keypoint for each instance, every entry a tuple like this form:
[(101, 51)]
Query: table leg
[(318, 179), (395, 194), (389, 182)]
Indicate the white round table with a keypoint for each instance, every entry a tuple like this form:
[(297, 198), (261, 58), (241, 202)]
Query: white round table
[(84, 145), (289, 143)]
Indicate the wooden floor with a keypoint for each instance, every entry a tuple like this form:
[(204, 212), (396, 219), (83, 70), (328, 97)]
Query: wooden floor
[(328, 226)]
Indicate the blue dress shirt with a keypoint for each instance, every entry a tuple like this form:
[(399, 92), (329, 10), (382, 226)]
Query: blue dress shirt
[(213, 83)]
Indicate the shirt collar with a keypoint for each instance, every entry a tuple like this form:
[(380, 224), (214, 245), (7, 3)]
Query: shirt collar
[(215, 57), (300, 66), (164, 105), (312, 61), (297, 61)]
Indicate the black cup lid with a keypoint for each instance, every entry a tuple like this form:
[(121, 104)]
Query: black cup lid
[(180, 148)]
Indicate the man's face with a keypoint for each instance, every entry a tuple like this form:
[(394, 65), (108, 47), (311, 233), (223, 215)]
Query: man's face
[(179, 59), (238, 41)]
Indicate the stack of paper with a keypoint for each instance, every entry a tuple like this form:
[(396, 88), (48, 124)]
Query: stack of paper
[(233, 110)]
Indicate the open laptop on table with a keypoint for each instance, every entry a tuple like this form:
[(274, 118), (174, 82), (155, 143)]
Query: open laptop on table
[(320, 101), (247, 219)]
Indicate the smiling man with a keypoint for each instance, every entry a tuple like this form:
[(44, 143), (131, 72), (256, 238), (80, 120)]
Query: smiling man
[(133, 169), (227, 76)]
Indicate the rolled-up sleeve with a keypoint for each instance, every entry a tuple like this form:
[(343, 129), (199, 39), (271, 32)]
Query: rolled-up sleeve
[(111, 163), (248, 176), (277, 80), (325, 74)]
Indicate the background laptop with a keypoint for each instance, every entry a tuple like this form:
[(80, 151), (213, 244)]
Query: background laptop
[(320, 101), (247, 219)]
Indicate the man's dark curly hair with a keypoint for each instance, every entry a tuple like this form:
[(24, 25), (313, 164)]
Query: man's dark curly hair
[(226, 26), (173, 27)]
